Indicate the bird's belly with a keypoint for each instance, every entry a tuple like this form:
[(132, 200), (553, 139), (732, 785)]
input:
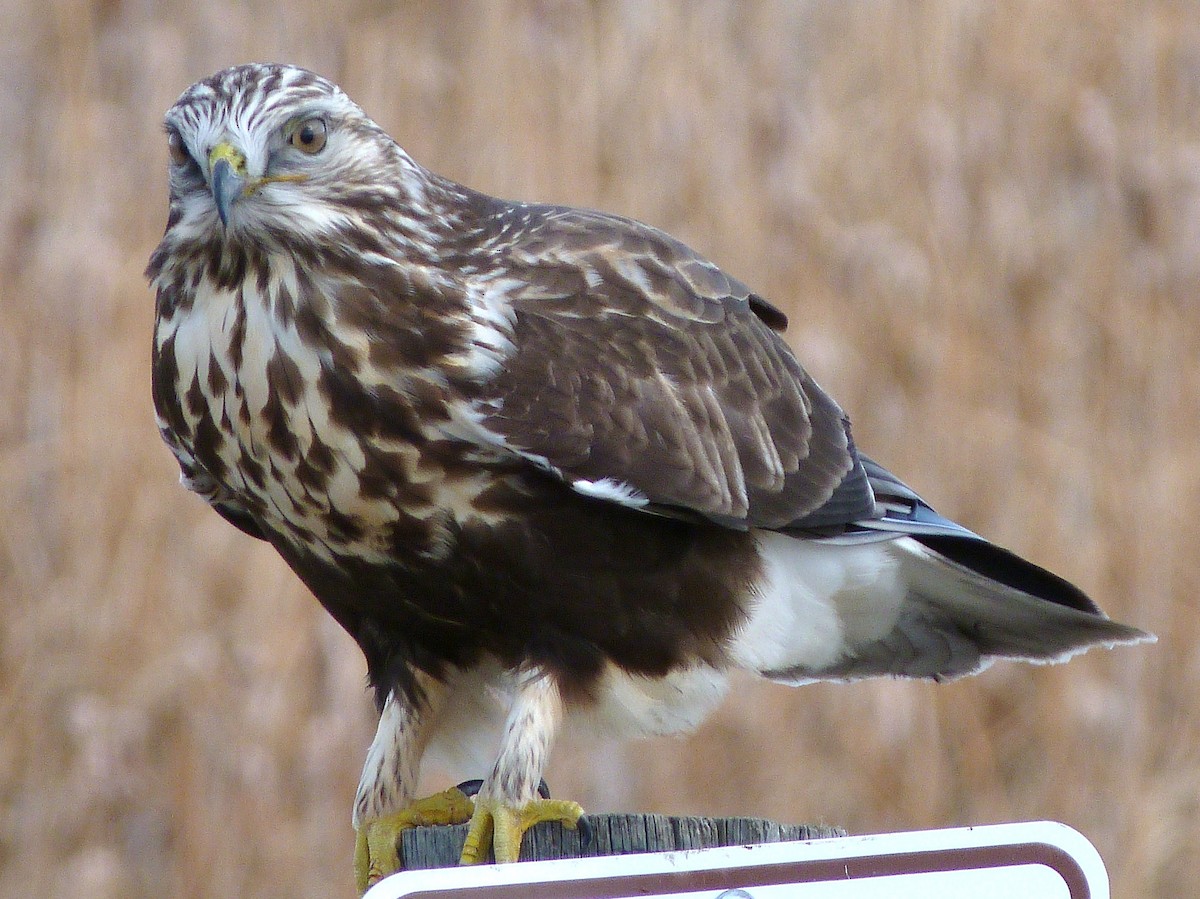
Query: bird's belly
[(815, 603), (618, 704), (631, 705)]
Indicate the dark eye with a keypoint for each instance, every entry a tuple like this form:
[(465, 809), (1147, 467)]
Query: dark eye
[(177, 149), (309, 136)]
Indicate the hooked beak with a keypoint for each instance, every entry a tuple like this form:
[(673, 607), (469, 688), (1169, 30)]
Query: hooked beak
[(227, 178)]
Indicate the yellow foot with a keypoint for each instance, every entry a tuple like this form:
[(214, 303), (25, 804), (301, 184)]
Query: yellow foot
[(375, 854), (503, 826)]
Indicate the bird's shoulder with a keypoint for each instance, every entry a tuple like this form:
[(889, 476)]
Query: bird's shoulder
[(604, 264), (620, 359)]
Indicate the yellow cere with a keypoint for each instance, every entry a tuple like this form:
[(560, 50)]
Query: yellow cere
[(225, 150)]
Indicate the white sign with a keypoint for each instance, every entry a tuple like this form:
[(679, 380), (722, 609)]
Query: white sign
[(1040, 860)]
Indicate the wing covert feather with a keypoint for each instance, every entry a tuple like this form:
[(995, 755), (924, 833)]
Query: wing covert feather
[(636, 361)]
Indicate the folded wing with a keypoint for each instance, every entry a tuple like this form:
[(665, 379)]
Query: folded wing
[(642, 374)]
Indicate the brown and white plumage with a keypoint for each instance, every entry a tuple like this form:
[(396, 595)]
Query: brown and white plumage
[(531, 452)]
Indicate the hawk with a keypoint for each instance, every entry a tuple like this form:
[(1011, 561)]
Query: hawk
[(547, 466)]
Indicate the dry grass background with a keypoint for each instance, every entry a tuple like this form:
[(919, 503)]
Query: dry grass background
[(984, 220)]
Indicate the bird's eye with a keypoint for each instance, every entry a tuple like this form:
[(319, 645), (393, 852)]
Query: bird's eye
[(177, 149), (309, 136)]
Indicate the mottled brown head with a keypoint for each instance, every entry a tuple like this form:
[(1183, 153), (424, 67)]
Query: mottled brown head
[(264, 157)]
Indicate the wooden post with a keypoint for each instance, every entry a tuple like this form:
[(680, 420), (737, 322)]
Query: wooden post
[(439, 847)]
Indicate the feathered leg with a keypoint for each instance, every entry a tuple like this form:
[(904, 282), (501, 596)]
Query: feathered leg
[(383, 806), (508, 803)]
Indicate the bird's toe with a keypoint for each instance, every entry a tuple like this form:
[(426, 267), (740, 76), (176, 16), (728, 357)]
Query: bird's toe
[(376, 848), (504, 826)]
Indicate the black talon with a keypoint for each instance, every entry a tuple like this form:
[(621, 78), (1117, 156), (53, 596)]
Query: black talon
[(470, 787), (585, 832)]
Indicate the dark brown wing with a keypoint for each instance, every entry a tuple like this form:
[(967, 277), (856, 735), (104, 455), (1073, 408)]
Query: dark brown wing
[(637, 363)]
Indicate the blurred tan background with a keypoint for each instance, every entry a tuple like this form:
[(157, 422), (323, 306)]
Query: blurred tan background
[(984, 221)]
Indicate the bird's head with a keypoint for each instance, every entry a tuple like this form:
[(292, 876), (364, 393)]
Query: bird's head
[(261, 152)]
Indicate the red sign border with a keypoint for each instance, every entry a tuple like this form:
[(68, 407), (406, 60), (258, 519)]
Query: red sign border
[(822, 870)]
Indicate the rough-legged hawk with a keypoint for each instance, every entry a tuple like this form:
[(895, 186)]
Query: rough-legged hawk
[(544, 464)]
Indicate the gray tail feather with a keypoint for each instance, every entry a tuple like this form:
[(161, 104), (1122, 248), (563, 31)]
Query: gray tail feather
[(1007, 607), (957, 618), (969, 601)]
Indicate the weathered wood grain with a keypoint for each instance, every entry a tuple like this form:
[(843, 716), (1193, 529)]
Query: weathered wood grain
[(439, 847)]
